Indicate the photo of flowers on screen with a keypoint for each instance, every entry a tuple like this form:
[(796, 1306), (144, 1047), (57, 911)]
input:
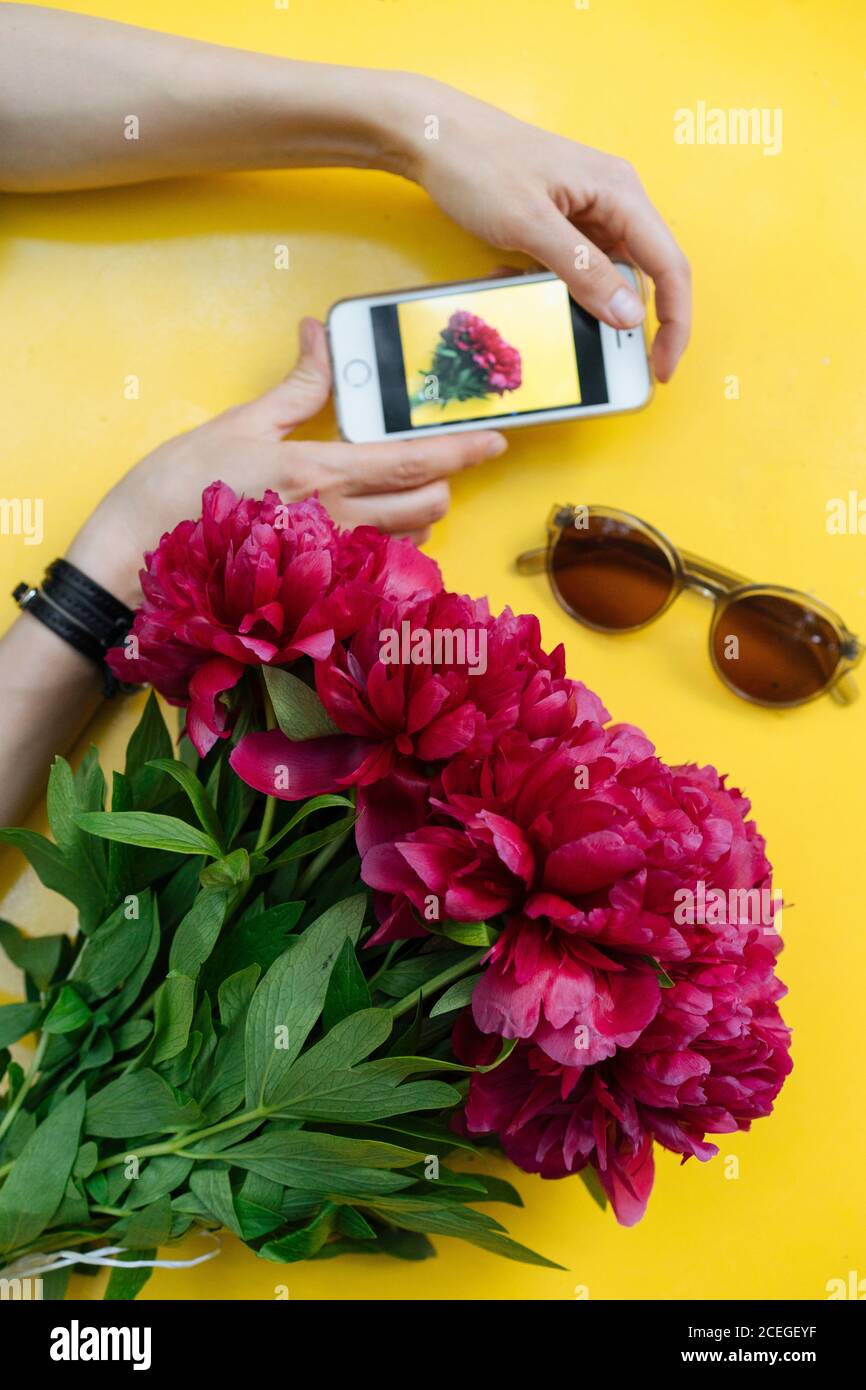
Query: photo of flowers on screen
[(477, 354), (471, 360)]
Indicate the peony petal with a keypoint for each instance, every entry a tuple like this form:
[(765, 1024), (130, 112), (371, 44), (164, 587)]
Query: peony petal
[(277, 766)]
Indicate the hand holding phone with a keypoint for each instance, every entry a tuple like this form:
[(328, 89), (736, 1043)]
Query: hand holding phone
[(501, 352)]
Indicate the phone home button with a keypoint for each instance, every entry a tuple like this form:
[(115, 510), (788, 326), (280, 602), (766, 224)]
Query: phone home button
[(356, 372)]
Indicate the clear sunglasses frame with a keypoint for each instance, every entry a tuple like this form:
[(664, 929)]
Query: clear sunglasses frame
[(722, 586)]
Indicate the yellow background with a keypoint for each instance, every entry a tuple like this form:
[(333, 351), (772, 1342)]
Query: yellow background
[(177, 284), (535, 319)]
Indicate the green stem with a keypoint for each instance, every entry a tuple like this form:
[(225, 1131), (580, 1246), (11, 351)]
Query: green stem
[(25, 1087), (180, 1141), (455, 972), (270, 801), (321, 861)]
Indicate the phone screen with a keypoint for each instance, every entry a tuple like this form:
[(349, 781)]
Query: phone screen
[(480, 354)]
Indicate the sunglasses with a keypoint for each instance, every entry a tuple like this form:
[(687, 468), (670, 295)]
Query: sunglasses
[(771, 645)]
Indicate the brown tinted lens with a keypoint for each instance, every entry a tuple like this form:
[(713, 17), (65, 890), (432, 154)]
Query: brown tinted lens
[(610, 574), (775, 649)]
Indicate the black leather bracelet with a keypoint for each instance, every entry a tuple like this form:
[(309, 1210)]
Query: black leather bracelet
[(104, 616), (80, 611)]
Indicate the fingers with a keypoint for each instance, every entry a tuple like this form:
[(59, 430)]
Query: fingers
[(303, 392), (409, 513), (591, 276), (625, 215), (401, 465), (653, 247)]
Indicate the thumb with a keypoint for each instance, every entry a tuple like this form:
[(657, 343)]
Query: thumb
[(303, 392)]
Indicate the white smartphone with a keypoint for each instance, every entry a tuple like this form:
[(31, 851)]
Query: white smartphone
[(501, 352)]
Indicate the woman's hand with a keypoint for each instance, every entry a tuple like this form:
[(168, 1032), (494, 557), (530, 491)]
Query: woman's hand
[(570, 207), (400, 486)]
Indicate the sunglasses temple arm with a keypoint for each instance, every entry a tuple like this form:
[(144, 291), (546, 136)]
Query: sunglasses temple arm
[(532, 561), (846, 690)]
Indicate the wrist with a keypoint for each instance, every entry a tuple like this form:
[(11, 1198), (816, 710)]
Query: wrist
[(317, 115), (408, 112), (104, 551)]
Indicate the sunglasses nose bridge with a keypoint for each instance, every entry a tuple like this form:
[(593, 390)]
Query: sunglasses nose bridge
[(701, 585)]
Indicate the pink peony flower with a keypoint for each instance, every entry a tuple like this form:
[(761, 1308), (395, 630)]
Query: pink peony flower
[(418, 684), (714, 1053), (256, 583), (489, 351), (714, 1059)]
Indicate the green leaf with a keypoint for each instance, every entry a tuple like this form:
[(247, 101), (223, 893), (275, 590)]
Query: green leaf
[(218, 1083), (133, 986), (54, 1284), (86, 1160), (16, 1020), (213, 1188), (409, 1041), (255, 940), (126, 1284), (229, 872), (36, 1184), (150, 740), (149, 830), (121, 858), (326, 1084), (112, 952), (416, 971), (172, 1017), (199, 799), (508, 1046), (311, 1162), (432, 1134), (302, 1244), (150, 1225), (347, 988), (308, 844), (297, 708), (235, 806), (197, 934), (352, 1224), (664, 979), (457, 997), (159, 1177), (589, 1177), (290, 998), (67, 1013), (37, 956), (498, 1190), (63, 804), (235, 994), (453, 1219), (315, 803), (177, 896), (57, 873), (254, 1219), (406, 1245), (136, 1104), (467, 933), (130, 1034)]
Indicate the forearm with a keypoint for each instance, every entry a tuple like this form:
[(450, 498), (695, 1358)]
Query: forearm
[(87, 103), (48, 692)]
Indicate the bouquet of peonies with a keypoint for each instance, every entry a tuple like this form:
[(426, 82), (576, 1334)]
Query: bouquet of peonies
[(243, 1036), (471, 361)]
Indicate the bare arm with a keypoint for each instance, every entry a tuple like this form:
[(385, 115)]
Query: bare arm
[(87, 103)]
